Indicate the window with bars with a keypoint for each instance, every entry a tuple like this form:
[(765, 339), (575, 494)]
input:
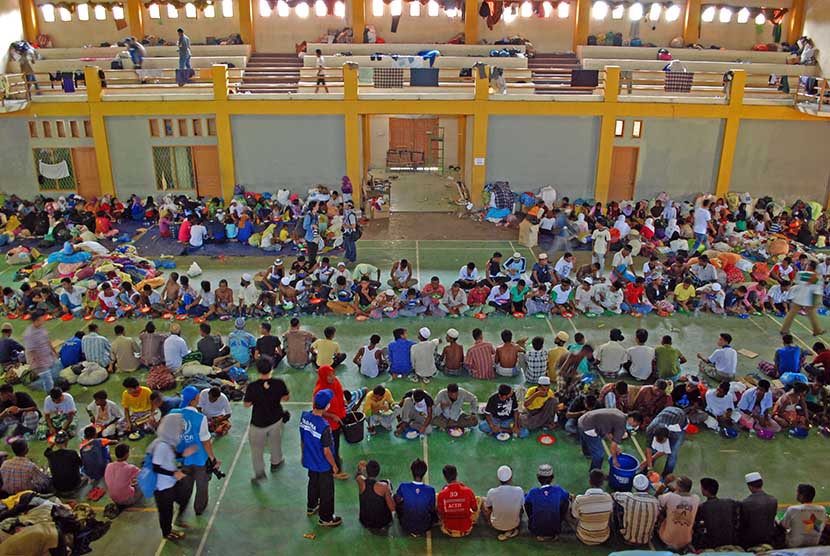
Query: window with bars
[(52, 160), (174, 168)]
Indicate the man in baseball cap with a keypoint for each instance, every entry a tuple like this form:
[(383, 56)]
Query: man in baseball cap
[(503, 505), (318, 459)]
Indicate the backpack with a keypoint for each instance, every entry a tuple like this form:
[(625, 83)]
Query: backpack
[(160, 378), (592, 40), (117, 64), (147, 478), (95, 457)]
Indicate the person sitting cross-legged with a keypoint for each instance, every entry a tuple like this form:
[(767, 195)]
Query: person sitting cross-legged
[(64, 465), (592, 511), (20, 473), (541, 405), (546, 506), (448, 411), (376, 502), (415, 502), (501, 414), (636, 513), (120, 478), (504, 505), (216, 407), (380, 409), (458, 507), (416, 412)]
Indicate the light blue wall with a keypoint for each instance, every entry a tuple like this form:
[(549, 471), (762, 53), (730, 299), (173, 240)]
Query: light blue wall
[(531, 152), (294, 152), (131, 153), (787, 160)]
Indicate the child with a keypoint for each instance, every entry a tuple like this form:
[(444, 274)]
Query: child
[(164, 225), (231, 231), (94, 454), (120, 478), (660, 445)]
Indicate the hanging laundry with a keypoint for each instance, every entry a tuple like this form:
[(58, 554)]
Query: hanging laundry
[(388, 78), (53, 171), (679, 82)]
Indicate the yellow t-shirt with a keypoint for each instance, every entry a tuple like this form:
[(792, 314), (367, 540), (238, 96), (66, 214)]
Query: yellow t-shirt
[(538, 402), (554, 355), (682, 293), (325, 351), (137, 404), (373, 406)]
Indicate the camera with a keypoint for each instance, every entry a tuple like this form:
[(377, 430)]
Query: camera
[(212, 470)]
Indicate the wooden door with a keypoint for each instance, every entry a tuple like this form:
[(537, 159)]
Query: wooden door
[(412, 134), (206, 165), (623, 173), (85, 165)]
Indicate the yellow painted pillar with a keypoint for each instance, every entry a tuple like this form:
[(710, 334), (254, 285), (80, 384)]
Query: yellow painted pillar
[(730, 133), (461, 150), (28, 13), (691, 24), (480, 124), (471, 20), (795, 23), (246, 22), (582, 21), (366, 133), (135, 17), (605, 152), (357, 17), (99, 131), (350, 84), (224, 135), (354, 138)]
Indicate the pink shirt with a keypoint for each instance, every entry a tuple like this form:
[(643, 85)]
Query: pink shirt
[(119, 477)]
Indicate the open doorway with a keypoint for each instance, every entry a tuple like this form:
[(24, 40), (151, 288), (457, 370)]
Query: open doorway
[(417, 159)]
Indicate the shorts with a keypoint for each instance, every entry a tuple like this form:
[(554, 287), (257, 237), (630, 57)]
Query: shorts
[(321, 80)]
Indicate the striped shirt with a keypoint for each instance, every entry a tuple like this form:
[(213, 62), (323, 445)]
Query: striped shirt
[(640, 511), (39, 352), (97, 349), (480, 360), (672, 417), (21, 474), (592, 512)]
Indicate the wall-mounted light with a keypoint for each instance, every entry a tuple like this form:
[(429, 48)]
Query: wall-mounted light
[(743, 15), (760, 19), (655, 11), (302, 10), (282, 8), (672, 12), (725, 15), (433, 8), (708, 14), (415, 8), (563, 10), (635, 12), (396, 7)]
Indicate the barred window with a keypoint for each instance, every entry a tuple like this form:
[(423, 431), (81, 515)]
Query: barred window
[(51, 159), (174, 168)]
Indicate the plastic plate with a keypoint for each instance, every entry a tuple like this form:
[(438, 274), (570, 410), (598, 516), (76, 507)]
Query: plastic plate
[(411, 434), (67, 317), (455, 432), (546, 439), (503, 436)]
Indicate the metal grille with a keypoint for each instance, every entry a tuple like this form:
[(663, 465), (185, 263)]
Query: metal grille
[(174, 168), (55, 156)]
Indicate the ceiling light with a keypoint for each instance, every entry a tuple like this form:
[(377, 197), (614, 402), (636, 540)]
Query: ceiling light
[(635, 12), (600, 10), (708, 14), (672, 12), (725, 15)]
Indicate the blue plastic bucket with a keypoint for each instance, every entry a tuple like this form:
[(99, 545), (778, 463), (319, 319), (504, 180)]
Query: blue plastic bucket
[(621, 476)]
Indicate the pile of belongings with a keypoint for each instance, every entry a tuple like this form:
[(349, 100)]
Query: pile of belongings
[(500, 200), (33, 524)]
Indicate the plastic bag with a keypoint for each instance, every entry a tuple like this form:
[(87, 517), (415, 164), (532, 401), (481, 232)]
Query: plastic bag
[(194, 270)]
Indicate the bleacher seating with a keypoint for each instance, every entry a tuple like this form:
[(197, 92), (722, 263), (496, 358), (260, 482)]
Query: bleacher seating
[(475, 50)]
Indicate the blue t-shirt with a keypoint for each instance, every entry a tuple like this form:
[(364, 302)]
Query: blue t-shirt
[(400, 361), (546, 507), (241, 343), (543, 273), (417, 512), (789, 359), (71, 353)]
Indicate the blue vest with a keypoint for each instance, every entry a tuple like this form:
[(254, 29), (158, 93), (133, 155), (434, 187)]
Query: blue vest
[(190, 437), (312, 428)]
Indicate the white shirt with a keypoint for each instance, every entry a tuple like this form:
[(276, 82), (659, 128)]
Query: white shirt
[(164, 457), (198, 233), (611, 356), (620, 259), (805, 294), (718, 406), (559, 295), (63, 407), (248, 294), (464, 274), (641, 360), (547, 223), (174, 349), (423, 358), (105, 415), (601, 239), (506, 502), (658, 446), (702, 218), (222, 406), (563, 268), (725, 360), (497, 296), (776, 295)]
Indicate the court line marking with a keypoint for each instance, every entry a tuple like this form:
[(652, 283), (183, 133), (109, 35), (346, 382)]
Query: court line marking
[(800, 341), (222, 492), (425, 448), (418, 263)]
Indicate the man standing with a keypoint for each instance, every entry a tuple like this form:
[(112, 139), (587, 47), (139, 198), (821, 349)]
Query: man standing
[(805, 294), (40, 355), (195, 468), (758, 512), (702, 217), (595, 425), (350, 232), (265, 396), (503, 505), (318, 458), (546, 506), (636, 513), (183, 47)]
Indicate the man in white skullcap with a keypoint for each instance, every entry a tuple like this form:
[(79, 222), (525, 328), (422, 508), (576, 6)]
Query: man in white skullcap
[(423, 355), (504, 504)]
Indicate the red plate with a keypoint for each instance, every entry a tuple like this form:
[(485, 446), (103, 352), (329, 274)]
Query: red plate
[(67, 317), (315, 300), (89, 316), (546, 439), (182, 317), (518, 315), (567, 315), (480, 316), (12, 316), (692, 429), (26, 316), (110, 318), (48, 317), (167, 316), (361, 318), (199, 320), (145, 310)]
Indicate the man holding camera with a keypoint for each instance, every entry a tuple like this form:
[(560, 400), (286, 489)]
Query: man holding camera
[(200, 464), (266, 396)]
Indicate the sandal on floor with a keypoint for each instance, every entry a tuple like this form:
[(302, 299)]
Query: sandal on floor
[(174, 536)]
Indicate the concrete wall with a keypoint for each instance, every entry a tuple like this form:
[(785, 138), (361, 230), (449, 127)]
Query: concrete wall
[(659, 33), (11, 27), (531, 152), (280, 34), (817, 26), (379, 130), (678, 156), (197, 29), (548, 34), (784, 159), (295, 152), (742, 35), (131, 153), (16, 159)]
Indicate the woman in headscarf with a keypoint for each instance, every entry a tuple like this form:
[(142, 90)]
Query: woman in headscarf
[(671, 228), (163, 450), (326, 379), (582, 230), (647, 231), (622, 226), (245, 228)]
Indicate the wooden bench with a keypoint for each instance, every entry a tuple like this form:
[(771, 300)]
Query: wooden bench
[(440, 62), (54, 66), (475, 50), (691, 54)]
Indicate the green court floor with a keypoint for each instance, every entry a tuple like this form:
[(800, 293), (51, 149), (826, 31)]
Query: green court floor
[(269, 518)]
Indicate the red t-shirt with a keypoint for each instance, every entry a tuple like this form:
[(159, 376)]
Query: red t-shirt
[(456, 504), (633, 294), (823, 359)]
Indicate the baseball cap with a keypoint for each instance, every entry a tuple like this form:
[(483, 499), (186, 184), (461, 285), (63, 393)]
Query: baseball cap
[(188, 395), (451, 333), (588, 280), (544, 470), (752, 477), (424, 332), (543, 381), (323, 398), (562, 336), (504, 473), (640, 482)]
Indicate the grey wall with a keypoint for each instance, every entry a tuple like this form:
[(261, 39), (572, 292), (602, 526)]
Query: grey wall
[(131, 153), (679, 156), (787, 160), (16, 158), (295, 152), (531, 152)]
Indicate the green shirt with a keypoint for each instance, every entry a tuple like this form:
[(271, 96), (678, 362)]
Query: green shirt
[(668, 361), (518, 295)]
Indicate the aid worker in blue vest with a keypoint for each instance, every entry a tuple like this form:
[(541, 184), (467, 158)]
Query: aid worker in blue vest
[(318, 457), (195, 466)]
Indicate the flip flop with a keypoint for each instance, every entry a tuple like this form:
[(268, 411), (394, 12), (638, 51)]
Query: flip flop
[(95, 494)]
